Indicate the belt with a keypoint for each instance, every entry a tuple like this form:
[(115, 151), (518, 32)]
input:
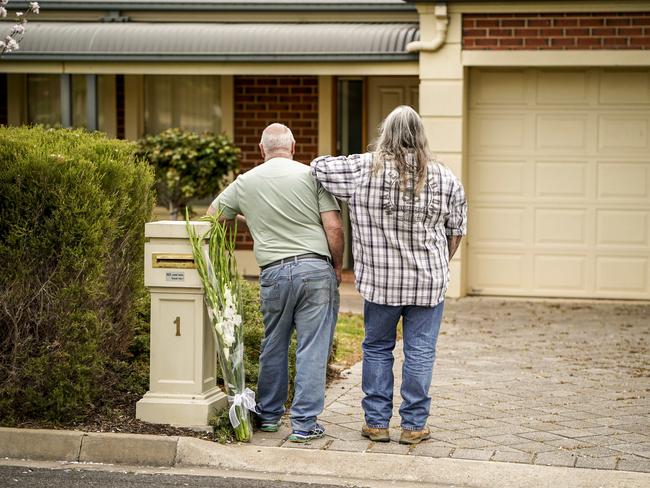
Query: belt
[(292, 259)]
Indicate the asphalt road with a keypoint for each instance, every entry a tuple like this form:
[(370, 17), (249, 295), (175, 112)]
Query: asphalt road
[(18, 476)]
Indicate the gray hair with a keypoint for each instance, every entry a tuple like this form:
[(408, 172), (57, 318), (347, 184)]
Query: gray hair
[(277, 137), (402, 136)]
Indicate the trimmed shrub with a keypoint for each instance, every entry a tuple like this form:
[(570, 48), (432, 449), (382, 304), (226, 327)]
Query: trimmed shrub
[(188, 165), (72, 210)]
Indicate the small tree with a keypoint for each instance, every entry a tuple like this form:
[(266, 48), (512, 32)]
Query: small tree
[(188, 165)]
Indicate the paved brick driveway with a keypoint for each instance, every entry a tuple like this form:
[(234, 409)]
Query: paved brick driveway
[(563, 383)]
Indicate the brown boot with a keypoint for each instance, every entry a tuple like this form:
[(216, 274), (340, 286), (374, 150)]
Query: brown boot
[(374, 434), (414, 436)]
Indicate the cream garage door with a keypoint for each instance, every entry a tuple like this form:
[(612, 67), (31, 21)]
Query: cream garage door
[(559, 183)]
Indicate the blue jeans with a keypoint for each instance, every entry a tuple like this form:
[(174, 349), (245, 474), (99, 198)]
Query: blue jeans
[(301, 294), (420, 329)]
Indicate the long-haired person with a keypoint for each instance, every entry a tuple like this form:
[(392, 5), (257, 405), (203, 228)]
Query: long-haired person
[(408, 215)]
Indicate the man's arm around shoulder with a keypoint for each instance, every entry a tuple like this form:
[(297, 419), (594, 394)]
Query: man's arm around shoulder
[(334, 233)]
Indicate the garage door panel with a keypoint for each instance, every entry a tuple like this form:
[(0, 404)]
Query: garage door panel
[(561, 227), (560, 273), (502, 133), (559, 182), (561, 179), (558, 132), (620, 274), (622, 228), (497, 178), (499, 87), (623, 133), (624, 180), (498, 225), (562, 88), (498, 272), (624, 87)]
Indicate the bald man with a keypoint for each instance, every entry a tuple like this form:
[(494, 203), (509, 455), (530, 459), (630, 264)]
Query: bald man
[(298, 244)]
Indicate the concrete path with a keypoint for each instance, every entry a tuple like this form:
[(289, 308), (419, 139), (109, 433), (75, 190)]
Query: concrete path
[(351, 300), (558, 383)]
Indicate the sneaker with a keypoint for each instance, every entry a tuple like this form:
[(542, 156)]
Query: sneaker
[(375, 434), (270, 426), (307, 435), (414, 436)]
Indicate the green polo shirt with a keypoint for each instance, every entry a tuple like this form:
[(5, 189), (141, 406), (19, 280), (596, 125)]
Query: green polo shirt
[(282, 204)]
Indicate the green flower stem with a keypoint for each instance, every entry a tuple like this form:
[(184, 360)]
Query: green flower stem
[(223, 274)]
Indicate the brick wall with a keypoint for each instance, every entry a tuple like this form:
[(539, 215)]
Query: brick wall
[(262, 100), (557, 31)]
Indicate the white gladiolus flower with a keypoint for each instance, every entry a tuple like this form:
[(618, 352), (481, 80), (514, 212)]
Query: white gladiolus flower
[(228, 334), (18, 29), (3, 12), (34, 7), (219, 280), (2, 45), (3, 2), (19, 14)]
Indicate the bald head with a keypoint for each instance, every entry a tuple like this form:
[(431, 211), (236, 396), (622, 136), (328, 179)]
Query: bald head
[(277, 141)]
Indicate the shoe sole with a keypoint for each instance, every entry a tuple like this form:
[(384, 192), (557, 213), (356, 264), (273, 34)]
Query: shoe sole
[(375, 438), (413, 442), (302, 440)]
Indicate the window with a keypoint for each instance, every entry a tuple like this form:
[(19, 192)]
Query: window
[(188, 102), (4, 95), (44, 99), (79, 105), (349, 139)]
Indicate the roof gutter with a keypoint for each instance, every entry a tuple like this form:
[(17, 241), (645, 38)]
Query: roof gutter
[(217, 57), (223, 7), (440, 21)]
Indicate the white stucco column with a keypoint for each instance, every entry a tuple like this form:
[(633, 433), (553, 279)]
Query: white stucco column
[(183, 358), (442, 103)]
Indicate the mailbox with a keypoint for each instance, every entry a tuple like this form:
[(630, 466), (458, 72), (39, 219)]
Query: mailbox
[(183, 362)]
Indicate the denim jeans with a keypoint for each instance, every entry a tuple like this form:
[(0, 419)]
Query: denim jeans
[(301, 294), (420, 332)]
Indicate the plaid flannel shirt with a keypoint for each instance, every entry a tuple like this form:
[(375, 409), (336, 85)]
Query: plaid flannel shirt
[(399, 239)]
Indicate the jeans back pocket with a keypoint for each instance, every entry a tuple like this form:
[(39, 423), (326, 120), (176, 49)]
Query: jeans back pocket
[(270, 297)]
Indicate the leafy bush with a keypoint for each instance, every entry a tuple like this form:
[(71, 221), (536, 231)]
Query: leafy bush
[(72, 211), (188, 165)]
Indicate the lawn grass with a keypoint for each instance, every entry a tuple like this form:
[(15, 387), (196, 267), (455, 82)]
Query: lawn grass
[(349, 336)]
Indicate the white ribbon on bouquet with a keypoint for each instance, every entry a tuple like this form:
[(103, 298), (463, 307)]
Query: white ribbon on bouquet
[(246, 400)]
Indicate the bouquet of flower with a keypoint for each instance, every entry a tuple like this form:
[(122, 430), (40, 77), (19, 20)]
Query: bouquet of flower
[(217, 268)]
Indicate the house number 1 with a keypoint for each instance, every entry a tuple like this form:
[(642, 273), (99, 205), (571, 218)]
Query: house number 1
[(178, 325)]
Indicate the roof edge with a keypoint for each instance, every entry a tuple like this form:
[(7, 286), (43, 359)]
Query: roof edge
[(234, 58), (224, 7)]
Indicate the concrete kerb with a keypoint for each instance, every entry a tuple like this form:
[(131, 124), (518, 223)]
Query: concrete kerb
[(63, 445), (133, 449), (40, 445)]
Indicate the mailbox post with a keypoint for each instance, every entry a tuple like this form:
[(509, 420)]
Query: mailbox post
[(182, 389)]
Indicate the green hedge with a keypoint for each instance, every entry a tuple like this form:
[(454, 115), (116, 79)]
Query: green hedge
[(72, 211)]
